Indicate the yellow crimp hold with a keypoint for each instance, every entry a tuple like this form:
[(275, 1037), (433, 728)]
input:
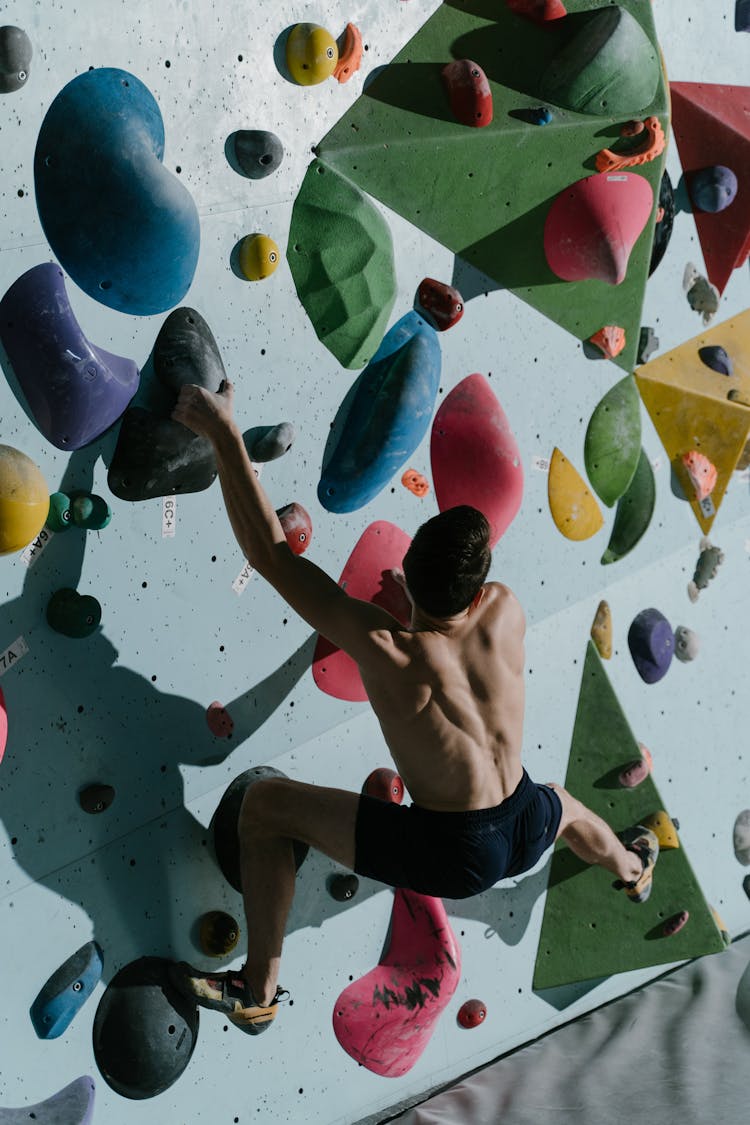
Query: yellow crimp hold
[(311, 54), (662, 825), (726, 937), (576, 513), (601, 631), (259, 256)]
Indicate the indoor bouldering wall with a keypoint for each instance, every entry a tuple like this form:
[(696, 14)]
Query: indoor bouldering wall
[(152, 233)]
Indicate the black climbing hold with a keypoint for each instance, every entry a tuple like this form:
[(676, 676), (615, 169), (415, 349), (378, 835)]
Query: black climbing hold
[(73, 614), (716, 358), (225, 820), (96, 798), (663, 228), (156, 456), (343, 886), (15, 58), (258, 152), (648, 343), (144, 1030)]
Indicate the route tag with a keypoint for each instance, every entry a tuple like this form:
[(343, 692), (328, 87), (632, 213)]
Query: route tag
[(31, 553), (168, 517), (12, 654), (541, 464), (243, 578), (707, 507)]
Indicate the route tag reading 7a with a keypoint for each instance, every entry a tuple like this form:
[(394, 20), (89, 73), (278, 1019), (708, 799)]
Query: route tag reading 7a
[(12, 654)]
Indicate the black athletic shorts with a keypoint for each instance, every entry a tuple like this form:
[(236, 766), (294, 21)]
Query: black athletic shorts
[(455, 854)]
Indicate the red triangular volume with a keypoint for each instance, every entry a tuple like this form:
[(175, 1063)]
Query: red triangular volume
[(712, 126)]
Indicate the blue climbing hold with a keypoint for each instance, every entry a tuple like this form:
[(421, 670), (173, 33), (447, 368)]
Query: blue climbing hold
[(74, 389), (712, 189), (66, 991), (716, 358), (384, 417), (123, 227), (651, 644)]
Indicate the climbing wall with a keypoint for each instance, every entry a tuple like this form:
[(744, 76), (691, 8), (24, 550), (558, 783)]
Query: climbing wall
[(125, 704)]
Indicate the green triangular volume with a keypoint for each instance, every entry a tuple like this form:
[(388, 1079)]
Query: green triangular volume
[(589, 930)]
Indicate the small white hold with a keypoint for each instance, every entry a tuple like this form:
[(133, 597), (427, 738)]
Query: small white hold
[(742, 838), (686, 644), (703, 297)]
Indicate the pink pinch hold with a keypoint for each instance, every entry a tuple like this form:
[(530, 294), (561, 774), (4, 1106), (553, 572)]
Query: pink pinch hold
[(220, 722), (634, 774), (3, 725), (674, 924), (702, 473), (593, 225), (385, 1019), (468, 92)]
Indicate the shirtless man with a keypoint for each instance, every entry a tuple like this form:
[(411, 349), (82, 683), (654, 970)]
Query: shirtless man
[(448, 692)]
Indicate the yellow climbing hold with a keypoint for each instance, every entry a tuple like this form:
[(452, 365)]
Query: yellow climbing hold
[(663, 827), (575, 511), (601, 631), (259, 256), (24, 500), (311, 54)]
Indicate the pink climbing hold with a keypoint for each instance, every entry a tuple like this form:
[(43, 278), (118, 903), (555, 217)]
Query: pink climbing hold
[(220, 722), (674, 924), (702, 473), (540, 11), (384, 784), (385, 1019), (469, 92), (471, 1013), (593, 225), (3, 725), (475, 457)]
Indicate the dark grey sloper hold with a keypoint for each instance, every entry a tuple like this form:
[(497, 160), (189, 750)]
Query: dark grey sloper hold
[(258, 152), (186, 352), (158, 457), (15, 58)]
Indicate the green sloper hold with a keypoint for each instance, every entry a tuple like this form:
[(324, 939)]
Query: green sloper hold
[(485, 193), (613, 441), (589, 930), (341, 257), (609, 66), (634, 511)]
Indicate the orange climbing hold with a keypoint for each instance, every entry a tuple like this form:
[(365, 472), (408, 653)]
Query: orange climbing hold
[(415, 482), (610, 339), (540, 11), (651, 147), (702, 473), (350, 53)]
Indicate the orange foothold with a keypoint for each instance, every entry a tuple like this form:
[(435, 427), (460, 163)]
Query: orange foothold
[(220, 722), (350, 53), (652, 146), (610, 339), (702, 473), (415, 482), (540, 11)]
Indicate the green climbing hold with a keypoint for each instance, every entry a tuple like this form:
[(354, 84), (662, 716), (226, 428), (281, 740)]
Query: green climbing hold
[(634, 511), (59, 517), (90, 512), (613, 441), (610, 66), (73, 614), (341, 257)]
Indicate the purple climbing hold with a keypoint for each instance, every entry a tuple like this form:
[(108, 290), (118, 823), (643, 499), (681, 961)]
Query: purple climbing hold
[(712, 189), (74, 389), (716, 358), (651, 644)]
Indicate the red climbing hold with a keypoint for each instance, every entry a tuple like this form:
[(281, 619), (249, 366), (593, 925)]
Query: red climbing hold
[(469, 92), (384, 784), (3, 725), (674, 924), (297, 527), (593, 225), (443, 304), (540, 11), (385, 1019), (471, 1013), (220, 722)]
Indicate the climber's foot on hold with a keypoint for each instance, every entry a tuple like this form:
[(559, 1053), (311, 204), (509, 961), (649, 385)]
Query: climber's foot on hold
[(643, 843), (228, 993)]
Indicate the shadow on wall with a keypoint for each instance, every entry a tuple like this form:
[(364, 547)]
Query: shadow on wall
[(76, 718)]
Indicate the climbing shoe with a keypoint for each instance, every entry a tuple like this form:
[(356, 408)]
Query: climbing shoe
[(228, 993), (645, 844)]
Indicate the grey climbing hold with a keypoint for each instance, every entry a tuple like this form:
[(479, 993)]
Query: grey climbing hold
[(686, 644), (712, 189), (15, 58), (266, 443), (73, 1105), (709, 561), (258, 152), (185, 351), (741, 837), (742, 15), (648, 343)]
